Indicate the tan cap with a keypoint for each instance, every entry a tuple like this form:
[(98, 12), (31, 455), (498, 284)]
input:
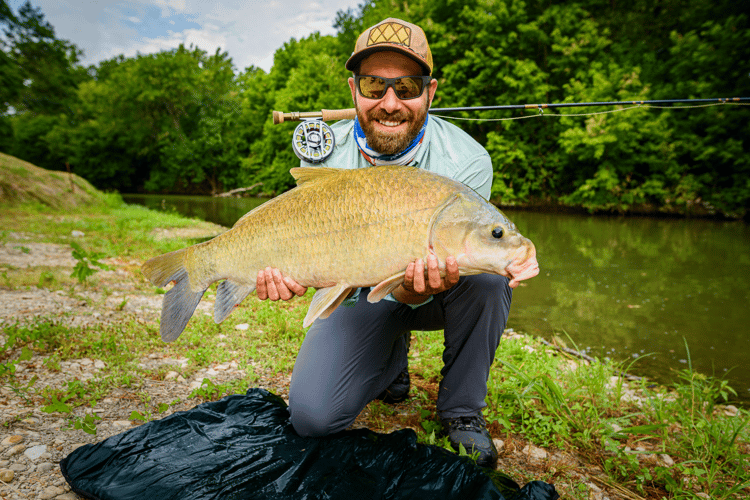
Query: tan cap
[(396, 35)]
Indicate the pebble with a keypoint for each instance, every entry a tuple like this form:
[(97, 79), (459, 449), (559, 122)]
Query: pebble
[(11, 440), (6, 475), (35, 451), (666, 459), (15, 450), (45, 467), (535, 453), (242, 326), (50, 492)]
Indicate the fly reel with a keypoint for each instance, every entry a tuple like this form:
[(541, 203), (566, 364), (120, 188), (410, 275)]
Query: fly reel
[(313, 141)]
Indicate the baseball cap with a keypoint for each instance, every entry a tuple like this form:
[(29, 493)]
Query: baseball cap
[(396, 35)]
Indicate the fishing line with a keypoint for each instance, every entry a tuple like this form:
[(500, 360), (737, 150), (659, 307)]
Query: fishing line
[(557, 115)]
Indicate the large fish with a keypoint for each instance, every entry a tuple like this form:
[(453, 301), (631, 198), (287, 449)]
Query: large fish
[(342, 229)]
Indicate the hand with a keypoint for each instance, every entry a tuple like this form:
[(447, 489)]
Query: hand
[(417, 289), (270, 284)]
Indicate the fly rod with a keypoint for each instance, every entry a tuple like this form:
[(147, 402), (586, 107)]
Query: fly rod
[(349, 113)]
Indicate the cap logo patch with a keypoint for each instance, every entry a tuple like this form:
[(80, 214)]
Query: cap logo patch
[(389, 33)]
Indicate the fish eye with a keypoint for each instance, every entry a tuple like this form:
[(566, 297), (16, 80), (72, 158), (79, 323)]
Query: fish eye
[(497, 232)]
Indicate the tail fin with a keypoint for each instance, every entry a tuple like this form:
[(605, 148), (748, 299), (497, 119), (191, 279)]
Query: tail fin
[(179, 302)]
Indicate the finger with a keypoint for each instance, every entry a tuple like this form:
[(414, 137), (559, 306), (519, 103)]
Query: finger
[(284, 292), (295, 287), (451, 271), (418, 283), (260, 285), (433, 272), (409, 276), (273, 293)]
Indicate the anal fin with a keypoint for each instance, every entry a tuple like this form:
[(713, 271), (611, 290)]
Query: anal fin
[(229, 295), (325, 301)]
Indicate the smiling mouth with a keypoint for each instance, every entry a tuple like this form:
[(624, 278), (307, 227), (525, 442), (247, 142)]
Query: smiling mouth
[(389, 123)]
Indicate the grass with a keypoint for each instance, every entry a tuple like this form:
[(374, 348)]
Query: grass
[(631, 438)]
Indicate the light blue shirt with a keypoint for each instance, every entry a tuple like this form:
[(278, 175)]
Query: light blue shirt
[(446, 150)]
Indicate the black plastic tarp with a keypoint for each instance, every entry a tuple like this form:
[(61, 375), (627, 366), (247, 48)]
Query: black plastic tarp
[(244, 447)]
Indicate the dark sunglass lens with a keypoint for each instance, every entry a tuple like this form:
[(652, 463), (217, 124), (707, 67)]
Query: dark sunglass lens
[(371, 87), (408, 87)]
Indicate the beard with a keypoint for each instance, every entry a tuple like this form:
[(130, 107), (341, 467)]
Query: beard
[(387, 143)]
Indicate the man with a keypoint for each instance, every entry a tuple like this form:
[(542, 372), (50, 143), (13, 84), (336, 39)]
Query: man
[(359, 353)]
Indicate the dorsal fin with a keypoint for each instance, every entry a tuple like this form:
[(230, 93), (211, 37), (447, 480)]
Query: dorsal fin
[(307, 174)]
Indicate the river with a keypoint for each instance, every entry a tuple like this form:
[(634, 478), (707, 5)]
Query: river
[(635, 289)]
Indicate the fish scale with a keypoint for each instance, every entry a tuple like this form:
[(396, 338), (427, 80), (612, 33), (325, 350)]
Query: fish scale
[(337, 230)]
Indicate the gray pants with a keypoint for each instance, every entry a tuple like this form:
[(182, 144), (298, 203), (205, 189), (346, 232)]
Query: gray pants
[(349, 358)]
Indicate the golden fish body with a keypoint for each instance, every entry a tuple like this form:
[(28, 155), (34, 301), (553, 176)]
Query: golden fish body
[(342, 229)]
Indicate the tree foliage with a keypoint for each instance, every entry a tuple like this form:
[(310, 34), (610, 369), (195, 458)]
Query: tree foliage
[(186, 121)]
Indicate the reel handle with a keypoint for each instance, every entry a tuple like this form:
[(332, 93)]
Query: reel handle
[(325, 115)]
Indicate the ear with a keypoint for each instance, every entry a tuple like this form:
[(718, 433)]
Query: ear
[(431, 89), (354, 91)]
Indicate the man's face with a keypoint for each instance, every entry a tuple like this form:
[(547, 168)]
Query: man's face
[(389, 123)]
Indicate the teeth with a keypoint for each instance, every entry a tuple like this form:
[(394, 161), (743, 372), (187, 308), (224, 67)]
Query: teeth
[(389, 124)]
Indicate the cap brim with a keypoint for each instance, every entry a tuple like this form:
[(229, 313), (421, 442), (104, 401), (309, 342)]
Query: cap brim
[(355, 59)]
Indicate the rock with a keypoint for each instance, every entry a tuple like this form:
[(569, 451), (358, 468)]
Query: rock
[(67, 496), (77, 234), (242, 326), (499, 444), (45, 467), (171, 375), (35, 451), (50, 492), (18, 467), (6, 475), (731, 411), (534, 453), (122, 423), (99, 364), (666, 459), (11, 440), (15, 450)]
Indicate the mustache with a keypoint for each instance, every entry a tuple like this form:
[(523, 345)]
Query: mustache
[(398, 116)]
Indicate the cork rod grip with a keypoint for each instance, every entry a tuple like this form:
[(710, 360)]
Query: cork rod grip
[(325, 115)]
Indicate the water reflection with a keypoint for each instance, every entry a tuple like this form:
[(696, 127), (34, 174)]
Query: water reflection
[(224, 211), (619, 287), (626, 287)]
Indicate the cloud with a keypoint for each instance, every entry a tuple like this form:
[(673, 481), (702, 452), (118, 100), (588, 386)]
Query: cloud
[(249, 30)]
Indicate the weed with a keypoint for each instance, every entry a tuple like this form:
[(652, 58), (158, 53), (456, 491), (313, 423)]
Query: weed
[(83, 270)]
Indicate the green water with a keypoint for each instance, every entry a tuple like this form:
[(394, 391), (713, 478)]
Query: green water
[(618, 287)]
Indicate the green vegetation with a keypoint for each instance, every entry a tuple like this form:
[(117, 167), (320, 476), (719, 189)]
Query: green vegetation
[(633, 438), (184, 121)]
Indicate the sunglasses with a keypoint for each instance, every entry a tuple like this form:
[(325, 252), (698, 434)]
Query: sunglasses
[(405, 87)]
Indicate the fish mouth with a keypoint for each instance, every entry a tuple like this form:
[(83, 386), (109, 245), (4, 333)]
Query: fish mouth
[(523, 266)]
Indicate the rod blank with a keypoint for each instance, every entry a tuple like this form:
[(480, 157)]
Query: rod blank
[(350, 113)]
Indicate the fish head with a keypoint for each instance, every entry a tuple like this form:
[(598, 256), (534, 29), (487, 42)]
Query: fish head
[(482, 239)]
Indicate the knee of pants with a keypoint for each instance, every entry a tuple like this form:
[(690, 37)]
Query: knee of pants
[(492, 289), (316, 420)]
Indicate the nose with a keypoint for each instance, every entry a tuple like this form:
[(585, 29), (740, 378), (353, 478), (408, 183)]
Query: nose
[(390, 101)]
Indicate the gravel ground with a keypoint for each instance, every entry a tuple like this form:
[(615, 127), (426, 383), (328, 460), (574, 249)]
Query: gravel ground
[(33, 442)]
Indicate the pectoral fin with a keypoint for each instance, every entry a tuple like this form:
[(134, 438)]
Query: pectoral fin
[(325, 301), (385, 287)]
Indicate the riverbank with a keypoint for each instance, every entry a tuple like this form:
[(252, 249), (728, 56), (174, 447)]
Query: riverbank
[(82, 353)]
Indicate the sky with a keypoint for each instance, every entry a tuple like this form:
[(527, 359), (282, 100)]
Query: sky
[(249, 31)]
